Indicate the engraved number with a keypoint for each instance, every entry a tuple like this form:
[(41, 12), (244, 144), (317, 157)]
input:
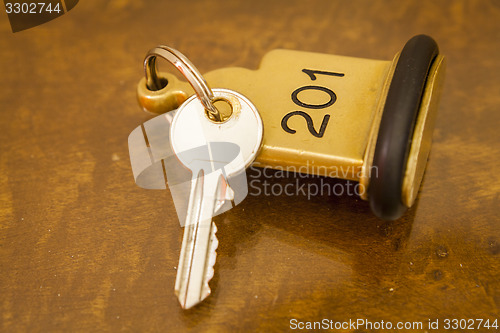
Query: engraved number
[(295, 98), (309, 121)]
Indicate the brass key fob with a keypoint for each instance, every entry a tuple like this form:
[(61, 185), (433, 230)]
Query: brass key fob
[(365, 120)]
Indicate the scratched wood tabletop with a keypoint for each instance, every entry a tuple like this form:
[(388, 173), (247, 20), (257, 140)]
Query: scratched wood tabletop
[(84, 249)]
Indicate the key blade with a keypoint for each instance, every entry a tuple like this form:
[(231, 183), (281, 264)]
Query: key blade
[(198, 251), (189, 290), (211, 258)]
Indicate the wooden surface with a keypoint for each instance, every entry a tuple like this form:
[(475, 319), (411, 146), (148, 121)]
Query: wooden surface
[(82, 248)]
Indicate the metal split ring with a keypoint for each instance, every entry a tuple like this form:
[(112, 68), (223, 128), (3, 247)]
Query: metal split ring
[(182, 63)]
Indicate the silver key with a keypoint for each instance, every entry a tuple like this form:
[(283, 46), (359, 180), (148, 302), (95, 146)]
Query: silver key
[(215, 152)]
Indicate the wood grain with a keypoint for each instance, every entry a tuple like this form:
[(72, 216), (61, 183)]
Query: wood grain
[(82, 248)]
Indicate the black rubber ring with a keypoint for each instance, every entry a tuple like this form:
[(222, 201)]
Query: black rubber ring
[(397, 125)]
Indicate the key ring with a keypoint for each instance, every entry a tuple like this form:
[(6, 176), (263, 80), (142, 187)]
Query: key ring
[(182, 63)]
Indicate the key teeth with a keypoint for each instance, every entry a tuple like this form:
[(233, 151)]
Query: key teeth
[(187, 303), (214, 243)]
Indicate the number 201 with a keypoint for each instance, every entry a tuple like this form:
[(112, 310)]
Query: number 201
[(306, 116)]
